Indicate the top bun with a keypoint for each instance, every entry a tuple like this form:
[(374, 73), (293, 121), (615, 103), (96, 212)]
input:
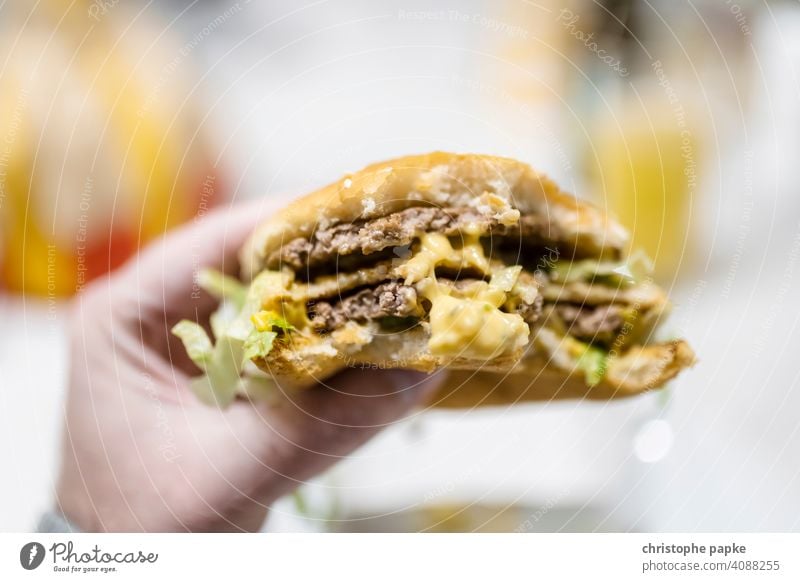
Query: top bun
[(441, 179)]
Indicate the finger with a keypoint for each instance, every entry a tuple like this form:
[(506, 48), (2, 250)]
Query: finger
[(317, 427), (265, 450), (167, 271), (159, 287), (365, 399)]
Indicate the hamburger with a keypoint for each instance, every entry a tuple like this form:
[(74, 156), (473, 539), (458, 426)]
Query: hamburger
[(470, 265)]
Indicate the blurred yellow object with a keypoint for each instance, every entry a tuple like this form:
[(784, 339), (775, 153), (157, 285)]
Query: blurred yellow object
[(101, 144), (644, 161)]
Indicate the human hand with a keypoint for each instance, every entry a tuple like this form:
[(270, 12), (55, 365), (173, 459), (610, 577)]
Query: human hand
[(141, 453)]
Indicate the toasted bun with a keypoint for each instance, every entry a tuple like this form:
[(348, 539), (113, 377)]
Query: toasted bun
[(456, 180), (639, 370), (441, 179), (300, 364), (501, 381)]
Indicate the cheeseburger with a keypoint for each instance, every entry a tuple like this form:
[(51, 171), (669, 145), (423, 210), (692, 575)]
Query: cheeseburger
[(470, 265)]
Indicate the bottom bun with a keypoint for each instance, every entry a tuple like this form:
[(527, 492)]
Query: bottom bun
[(502, 380), (639, 370)]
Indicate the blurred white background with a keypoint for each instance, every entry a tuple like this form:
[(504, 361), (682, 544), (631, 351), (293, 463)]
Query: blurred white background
[(294, 95)]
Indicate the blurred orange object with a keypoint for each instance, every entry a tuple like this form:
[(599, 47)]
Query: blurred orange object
[(102, 147)]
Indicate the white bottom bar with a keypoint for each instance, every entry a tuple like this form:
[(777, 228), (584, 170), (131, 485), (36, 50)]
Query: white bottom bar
[(378, 557)]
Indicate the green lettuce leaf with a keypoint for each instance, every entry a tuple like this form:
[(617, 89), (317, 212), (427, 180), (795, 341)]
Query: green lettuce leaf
[(238, 339), (258, 344), (222, 286), (223, 317), (594, 364), (195, 340), (221, 363), (637, 268), (222, 373), (640, 266)]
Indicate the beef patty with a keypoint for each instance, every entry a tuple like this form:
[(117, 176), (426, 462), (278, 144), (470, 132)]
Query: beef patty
[(400, 229), (390, 299), (599, 325)]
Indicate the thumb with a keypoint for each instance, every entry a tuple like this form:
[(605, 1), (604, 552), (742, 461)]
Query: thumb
[(364, 400), (335, 417), (318, 426)]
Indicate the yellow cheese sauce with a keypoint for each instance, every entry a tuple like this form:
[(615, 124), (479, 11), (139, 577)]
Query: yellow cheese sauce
[(436, 250), (471, 326), (272, 291)]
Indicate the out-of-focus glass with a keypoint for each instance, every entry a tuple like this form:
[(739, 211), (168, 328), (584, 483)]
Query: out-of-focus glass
[(101, 141), (645, 164)]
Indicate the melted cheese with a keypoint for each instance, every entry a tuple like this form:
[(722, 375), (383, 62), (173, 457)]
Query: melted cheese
[(435, 250), (470, 325), (272, 291)]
